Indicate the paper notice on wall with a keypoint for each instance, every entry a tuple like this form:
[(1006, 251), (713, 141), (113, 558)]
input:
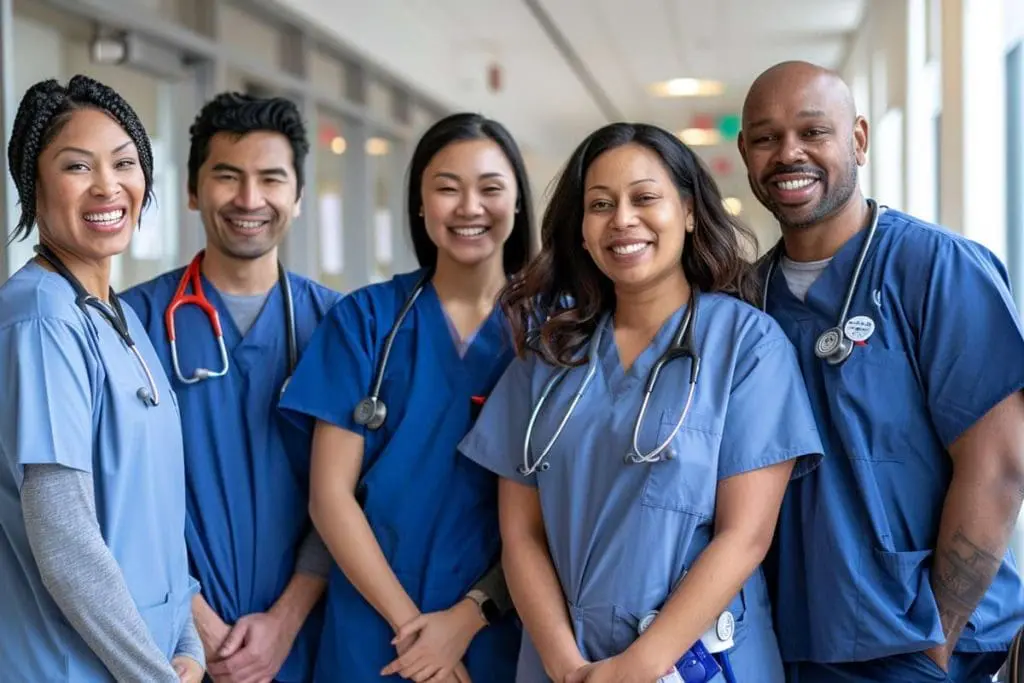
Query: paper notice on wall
[(332, 250), (383, 237)]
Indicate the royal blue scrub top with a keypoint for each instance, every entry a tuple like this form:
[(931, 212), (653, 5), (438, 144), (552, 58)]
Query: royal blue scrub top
[(433, 513), (68, 396), (622, 535), (247, 484), (855, 540)]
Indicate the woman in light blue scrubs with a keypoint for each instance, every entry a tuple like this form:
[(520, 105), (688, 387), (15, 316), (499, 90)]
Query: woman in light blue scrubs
[(92, 492), (617, 522), (413, 527)]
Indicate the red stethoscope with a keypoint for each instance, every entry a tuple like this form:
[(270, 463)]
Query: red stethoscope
[(192, 276)]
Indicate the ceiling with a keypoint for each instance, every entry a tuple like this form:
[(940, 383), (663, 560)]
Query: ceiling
[(551, 98)]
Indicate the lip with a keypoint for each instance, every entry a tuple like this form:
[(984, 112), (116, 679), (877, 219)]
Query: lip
[(106, 228), (230, 219), (482, 228), (793, 196)]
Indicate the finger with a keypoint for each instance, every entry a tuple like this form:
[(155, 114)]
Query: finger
[(461, 674), (424, 673), (235, 639), (443, 674), (409, 629)]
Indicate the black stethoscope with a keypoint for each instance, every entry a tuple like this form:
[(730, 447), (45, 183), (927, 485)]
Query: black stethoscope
[(371, 411), (192, 276), (833, 345), (113, 314), (682, 346)]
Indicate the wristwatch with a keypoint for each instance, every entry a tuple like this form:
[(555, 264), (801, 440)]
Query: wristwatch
[(488, 608)]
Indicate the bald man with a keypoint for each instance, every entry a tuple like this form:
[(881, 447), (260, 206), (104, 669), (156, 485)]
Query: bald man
[(891, 562)]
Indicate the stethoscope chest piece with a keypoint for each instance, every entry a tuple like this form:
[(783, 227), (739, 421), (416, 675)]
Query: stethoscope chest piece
[(833, 346), (370, 412)]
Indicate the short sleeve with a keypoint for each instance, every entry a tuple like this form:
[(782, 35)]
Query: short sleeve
[(970, 349), (496, 440), (335, 370), (769, 417), (46, 402)]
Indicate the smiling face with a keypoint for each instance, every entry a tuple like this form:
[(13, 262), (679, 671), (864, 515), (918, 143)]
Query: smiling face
[(90, 187), (634, 221), (469, 200), (246, 193), (802, 144)]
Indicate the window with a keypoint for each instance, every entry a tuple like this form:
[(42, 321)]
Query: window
[(1015, 169)]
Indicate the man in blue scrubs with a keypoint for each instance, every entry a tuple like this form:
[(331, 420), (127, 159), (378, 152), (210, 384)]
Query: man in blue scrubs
[(251, 544), (891, 560)]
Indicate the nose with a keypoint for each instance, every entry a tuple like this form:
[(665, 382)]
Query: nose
[(105, 183), (791, 150), (469, 204), (249, 196), (624, 216)]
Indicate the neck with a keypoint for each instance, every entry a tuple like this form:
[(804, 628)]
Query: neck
[(650, 307), (822, 240), (94, 275), (240, 276), (477, 284)]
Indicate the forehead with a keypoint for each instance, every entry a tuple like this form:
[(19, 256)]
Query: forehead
[(252, 151), (91, 129), (788, 101), (470, 158), (626, 164)]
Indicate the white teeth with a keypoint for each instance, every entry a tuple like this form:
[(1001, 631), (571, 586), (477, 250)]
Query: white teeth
[(469, 232), (106, 217), (247, 225), (795, 184), (624, 249)]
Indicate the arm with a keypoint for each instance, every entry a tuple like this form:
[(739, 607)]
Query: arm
[(83, 577), (189, 660), (494, 586), (746, 512), (532, 580), (981, 508), (210, 627), (337, 460)]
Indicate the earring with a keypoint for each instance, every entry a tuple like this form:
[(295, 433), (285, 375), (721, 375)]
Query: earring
[(689, 223)]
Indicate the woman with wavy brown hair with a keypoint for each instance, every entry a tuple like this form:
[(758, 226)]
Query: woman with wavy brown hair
[(645, 435)]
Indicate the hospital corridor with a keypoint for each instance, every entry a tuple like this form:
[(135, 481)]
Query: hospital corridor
[(512, 341)]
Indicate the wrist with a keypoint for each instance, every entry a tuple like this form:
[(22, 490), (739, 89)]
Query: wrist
[(563, 665), (470, 615), (646, 661), (288, 618)]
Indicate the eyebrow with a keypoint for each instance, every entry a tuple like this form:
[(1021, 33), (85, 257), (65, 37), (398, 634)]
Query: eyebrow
[(804, 114), (85, 152), (275, 171), (456, 177), (635, 182)]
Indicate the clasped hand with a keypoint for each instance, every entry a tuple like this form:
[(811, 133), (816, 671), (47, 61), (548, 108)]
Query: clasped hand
[(431, 646)]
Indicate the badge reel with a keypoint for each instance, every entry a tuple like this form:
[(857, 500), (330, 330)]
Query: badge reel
[(698, 664)]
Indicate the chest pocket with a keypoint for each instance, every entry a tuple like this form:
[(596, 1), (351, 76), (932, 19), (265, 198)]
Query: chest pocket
[(686, 478)]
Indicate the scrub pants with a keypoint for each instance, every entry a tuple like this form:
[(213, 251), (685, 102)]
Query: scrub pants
[(915, 667)]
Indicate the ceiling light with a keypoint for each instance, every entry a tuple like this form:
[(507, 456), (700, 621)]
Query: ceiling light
[(338, 145), (687, 87), (732, 206), (697, 137), (377, 147)]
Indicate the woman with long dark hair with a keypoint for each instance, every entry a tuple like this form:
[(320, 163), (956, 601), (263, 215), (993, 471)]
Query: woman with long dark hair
[(390, 384), (662, 416)]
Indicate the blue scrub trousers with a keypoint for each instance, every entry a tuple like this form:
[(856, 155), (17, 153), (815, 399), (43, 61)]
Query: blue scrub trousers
[(915, 667)]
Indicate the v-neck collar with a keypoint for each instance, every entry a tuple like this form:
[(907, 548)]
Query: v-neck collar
[(233, 337), (486, 336), (616, 377)]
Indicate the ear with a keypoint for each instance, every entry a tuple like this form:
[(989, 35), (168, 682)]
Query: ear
[(193, 202), (741, 145), (297, 209), (860, 139)]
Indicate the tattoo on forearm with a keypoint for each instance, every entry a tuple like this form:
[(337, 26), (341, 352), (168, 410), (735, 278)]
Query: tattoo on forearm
[(962, 574)]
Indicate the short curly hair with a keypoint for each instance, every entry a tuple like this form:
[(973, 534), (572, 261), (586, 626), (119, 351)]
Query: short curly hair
[(239, 114), (45, 109)]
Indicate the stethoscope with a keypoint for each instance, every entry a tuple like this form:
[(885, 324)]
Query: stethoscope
[(371, 411), (192, 276), (833, 345), (682, 346), (113, 314)]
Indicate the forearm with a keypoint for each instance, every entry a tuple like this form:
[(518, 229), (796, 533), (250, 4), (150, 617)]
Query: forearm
[(714, 580), (190, 644), (82, 576), (494, 586), (541, 605), (347, 534), (977, 520), (210, 627), (297, 601)]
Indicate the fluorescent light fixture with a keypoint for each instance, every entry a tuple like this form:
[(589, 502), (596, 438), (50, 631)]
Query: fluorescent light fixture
[(338, 145), (377, 147), (687, 87), (732, 206), (699, 137)]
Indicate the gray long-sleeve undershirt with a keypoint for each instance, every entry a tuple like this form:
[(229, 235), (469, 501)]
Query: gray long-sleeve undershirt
[(82, 576), (313, 557)]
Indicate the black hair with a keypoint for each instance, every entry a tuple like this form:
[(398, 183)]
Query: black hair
[(457, 128), (239, 114), (45, 109), (555, 305)]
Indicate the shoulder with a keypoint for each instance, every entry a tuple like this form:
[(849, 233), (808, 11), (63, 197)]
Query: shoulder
[(152, 294), (34, 293), (916, 247), (745, 327), (380, 300)]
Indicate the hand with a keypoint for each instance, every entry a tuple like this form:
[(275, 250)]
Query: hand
[(440, 641), (188, 669), (212, 632), (940, 655), (612, 670), (460, 675), (255, 649)]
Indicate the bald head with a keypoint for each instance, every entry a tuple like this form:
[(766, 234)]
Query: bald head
[(808, 84)]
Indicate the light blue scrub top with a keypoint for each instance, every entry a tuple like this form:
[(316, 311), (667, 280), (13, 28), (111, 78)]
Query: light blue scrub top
[(68, 396), (622, 535), (860, 533), (246, 466), (434, 514)]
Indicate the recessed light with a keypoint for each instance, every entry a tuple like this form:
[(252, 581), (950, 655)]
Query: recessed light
[(700, 137), (338, 145), (732, 206), (687, 87), (377, 147)]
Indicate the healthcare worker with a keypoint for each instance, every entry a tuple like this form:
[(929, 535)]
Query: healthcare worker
[(93, 565), (645, 482), (891, 560), (392, 381), (261, 565)]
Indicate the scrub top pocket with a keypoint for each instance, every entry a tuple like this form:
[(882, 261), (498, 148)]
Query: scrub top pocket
[(685, 479)]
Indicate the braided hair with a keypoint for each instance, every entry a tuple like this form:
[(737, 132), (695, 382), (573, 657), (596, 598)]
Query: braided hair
[(44, 111)]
